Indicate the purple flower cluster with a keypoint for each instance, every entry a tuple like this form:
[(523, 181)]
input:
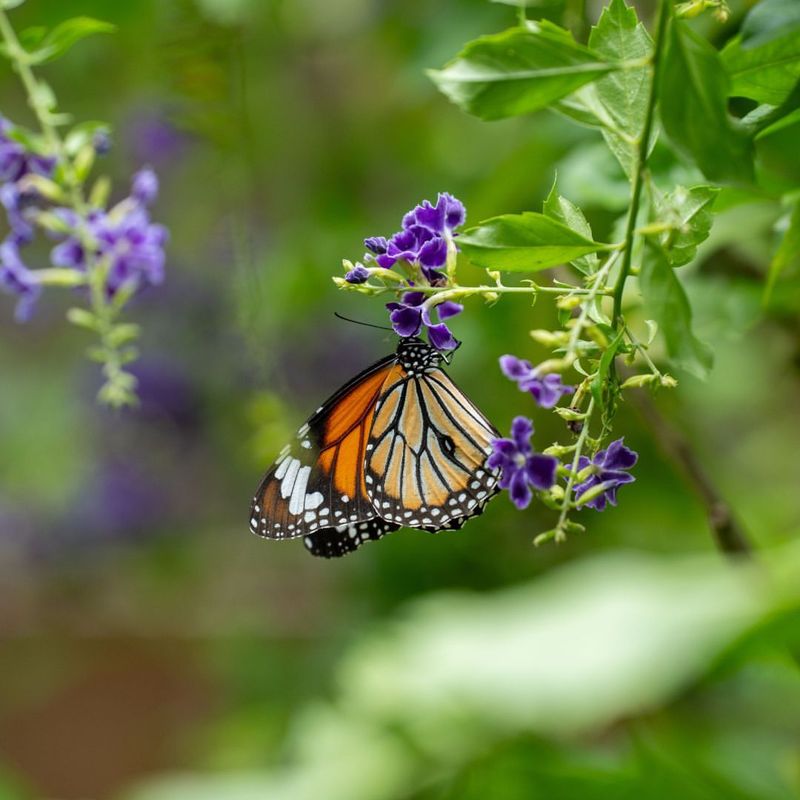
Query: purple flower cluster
[(131, 246), (424, 244), (609, 472), (126, 243), (545, 389), (522, 469), (424, 239)]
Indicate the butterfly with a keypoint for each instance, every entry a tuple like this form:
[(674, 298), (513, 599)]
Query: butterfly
[(400, 445)]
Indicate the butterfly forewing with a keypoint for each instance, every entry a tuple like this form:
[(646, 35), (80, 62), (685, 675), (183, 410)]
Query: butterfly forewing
[(317, 481)]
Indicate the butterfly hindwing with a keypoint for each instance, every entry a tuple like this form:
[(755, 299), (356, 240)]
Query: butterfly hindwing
[(335, 542), (317, 482), (426, 456)]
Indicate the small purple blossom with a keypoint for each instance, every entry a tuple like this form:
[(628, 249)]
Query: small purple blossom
[(610, 472), (359, 274), (20, 208), (17, 279), (521, 467), (545, 389), (144, 187), (101, 141), (125, 237), (410, 315), (16, 161), (423, 241)]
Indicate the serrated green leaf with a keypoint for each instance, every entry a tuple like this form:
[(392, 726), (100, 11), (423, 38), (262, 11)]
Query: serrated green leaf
[(689, 212), (767, 73), (666, 300), (788, 249), (619, 36), (526, 242), (65, 35), (693, 96), (559, 208), (518, 71)]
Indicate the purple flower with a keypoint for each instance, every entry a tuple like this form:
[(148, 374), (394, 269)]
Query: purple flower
[(359, 274), (376, 244), (610, 471), (145, 186), (101, 141), (16, 278), (423, 241), (20, 207), (447, 215), (521, 467), (16, 161), (409, 316), (126, 238), (546, 389)]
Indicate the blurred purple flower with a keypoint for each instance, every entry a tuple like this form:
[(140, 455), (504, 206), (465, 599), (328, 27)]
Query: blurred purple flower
[(408, 318), (521, 467), (16, 161), (610, 472), (154, 140), (101, 141), (125, 236), (17, 279), (20, 208), (546, 389), (144, 187)]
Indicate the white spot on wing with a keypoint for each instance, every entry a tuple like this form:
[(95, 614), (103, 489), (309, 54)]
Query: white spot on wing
[(299, 490), (314, 500), (288, 479)]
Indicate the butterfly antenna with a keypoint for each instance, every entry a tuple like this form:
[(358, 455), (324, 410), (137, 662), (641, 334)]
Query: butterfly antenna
[(360, 322)]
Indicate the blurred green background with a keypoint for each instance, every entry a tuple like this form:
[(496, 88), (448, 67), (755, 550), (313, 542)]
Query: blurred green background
[(153, 649)]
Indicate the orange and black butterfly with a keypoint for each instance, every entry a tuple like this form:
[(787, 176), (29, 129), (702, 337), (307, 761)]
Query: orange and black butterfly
[(400, 445)]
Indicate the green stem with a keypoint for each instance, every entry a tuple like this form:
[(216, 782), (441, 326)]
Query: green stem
[(641, 162), (567, 503)]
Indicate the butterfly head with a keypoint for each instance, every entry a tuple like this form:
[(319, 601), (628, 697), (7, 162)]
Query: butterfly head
[(417, 356)]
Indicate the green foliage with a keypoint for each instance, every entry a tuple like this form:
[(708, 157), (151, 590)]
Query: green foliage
[(693, 95), (60, 39), (562, 210), (457, 678), (666, 301), (622, 94), (788, 250), (687, 213), (518, 71), (526, 242)]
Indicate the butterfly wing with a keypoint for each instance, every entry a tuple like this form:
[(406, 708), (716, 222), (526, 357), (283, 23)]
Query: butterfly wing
[(339, 541), (426, 455), (317, 482)]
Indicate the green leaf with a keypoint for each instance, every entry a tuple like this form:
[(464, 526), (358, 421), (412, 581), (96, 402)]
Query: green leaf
[(518, 71), (603, 368), (562, 210), (619, 36), (768, 20), (9, 4), (524, 242), (689, 213), (767, 73), (65, 35), (668, 304), (693, 95), (788, 249)]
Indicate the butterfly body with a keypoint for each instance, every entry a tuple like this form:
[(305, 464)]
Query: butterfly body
[(398, 446)]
